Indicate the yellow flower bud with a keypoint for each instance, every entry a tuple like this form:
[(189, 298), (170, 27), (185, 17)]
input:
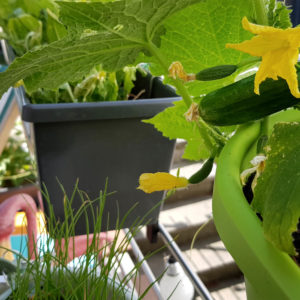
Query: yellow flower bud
[(154, 182)]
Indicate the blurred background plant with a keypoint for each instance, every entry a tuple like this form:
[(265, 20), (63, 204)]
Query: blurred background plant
[(17, 166), (30, 25)]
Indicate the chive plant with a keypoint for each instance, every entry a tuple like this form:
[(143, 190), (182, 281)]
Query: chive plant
[(92, 276)]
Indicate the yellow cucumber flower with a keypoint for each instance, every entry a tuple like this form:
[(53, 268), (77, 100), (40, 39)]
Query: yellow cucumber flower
[(154, 182), (279, 51)]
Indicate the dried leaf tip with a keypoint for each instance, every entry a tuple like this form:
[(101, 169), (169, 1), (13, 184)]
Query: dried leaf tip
[(176, 71), (193, 113)]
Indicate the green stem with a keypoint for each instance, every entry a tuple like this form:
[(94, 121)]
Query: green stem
[(248, 61), (17, 176), (205, 136), (265, 126), (263, 135), (207, 132), (68, 88), (198, 231), (177, 82), (219, 139), (261, 12), (183, 92)]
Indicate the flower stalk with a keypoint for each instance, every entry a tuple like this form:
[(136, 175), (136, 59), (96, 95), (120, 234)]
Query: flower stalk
[(261, 12), (206, 131)]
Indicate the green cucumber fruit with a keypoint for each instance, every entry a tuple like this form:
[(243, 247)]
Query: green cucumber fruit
[(237, 103), (216, 72), (203, 172)]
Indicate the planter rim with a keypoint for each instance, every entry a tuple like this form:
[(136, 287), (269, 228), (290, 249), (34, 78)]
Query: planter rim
[(62, 112), (271, 273)]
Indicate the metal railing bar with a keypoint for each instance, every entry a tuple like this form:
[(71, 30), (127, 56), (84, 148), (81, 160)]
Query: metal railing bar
[(145, 267), (199, 286)]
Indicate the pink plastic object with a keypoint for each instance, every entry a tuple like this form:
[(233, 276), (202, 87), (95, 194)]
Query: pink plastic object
[(8, 210), (78, 245), (24, 202)]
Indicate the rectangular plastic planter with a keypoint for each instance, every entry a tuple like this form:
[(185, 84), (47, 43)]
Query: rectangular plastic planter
[(92, 142)]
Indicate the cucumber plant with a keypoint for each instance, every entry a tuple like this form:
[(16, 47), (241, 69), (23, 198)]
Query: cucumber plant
[(116, 34)]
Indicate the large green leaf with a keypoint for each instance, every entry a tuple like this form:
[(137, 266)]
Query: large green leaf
[(277, 194), (114, 34), (172, 123), (197, 37), (109, 33), (34, 7), (55, 30)]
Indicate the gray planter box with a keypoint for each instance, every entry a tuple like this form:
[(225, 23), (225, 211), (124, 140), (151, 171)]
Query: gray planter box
[(93, 142)]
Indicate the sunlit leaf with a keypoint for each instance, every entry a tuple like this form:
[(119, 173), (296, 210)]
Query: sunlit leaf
[(277, 193)]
